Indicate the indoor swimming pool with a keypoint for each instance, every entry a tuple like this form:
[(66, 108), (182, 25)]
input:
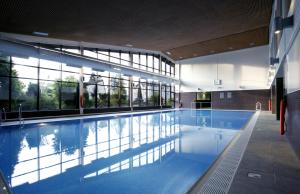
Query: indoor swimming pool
[(151, 152)]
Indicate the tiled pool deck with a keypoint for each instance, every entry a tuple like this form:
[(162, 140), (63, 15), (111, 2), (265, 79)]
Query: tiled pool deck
[(271, 156)]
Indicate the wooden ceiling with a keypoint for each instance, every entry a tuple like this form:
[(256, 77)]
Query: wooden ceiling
[(185, 28)]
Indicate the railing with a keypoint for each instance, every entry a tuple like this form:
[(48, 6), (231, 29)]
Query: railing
[(21, 120)]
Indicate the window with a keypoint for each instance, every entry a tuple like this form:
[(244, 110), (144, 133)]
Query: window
[(143, 62), (119, 91), (163, 67), (168, 69), (125, 60), (4, 92), (49, 95), (115, 57), (24, 71), (150, 63), (173, 70), (136, 60), (69, 95), (156, 64), (48, 74), (136, 92), (50, 64), (102, 95), (72, 50), (221, 95), (90, 53), (229, 94), (89, 94), (30, 61), (24, 91), (103, 55), (163, 95)]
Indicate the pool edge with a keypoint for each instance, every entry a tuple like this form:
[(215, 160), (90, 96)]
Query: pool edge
[(204, 183)]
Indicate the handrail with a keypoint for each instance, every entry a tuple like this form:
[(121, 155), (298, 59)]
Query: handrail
[(0, 117), (4, 113), (21, 120)]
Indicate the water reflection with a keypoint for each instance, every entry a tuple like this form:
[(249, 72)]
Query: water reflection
[(107, 149)]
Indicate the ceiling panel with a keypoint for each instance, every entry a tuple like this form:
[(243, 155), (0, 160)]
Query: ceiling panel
[(161, 25)]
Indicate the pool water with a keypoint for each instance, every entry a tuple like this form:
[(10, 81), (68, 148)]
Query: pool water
[(161, 152)]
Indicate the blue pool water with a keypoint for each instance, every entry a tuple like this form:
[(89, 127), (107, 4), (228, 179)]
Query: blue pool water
[(162, 152)]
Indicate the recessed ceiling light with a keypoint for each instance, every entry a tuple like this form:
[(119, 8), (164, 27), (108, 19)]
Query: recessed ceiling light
[(230, 48), (180, 57), (252, 43), (128, 45), (40, 33), (168, 53)]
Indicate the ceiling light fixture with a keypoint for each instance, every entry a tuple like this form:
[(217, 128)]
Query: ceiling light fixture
[(168, 53), (129, 45), (40, 33), (281, 23)]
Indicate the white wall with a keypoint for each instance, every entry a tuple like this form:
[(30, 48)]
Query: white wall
[(247, 68)]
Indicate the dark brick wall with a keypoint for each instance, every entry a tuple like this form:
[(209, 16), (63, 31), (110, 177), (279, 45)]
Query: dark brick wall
[(293, 120), (241, 100), (187, 98)]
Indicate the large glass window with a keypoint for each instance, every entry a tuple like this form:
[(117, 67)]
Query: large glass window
[(163, 95), (163, 67), (115, 57), (24, 71), (156, 64), (24, 91), (143, 85), (49, 95), (103, 55), (168, 69), (143, 62), (125, 60), (136, 60), (150, 63), (69, 95), (136, 92), (90, 53), (119, 91), (89, 94), (40, 84), (4, 92)]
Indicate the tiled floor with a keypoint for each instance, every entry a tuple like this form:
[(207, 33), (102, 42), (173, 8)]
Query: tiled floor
[(270, 155)]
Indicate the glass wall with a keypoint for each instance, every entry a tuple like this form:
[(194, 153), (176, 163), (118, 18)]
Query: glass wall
[(143, 61), (43, 85)]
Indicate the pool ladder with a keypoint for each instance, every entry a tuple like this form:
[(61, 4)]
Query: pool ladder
[(2, 112), (21, 120)]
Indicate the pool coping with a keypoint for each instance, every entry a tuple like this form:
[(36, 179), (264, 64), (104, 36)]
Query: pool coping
[(219, 176), (67, 118)]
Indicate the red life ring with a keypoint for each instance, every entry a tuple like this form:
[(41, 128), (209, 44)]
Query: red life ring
[(81, 101), (282, 116)]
